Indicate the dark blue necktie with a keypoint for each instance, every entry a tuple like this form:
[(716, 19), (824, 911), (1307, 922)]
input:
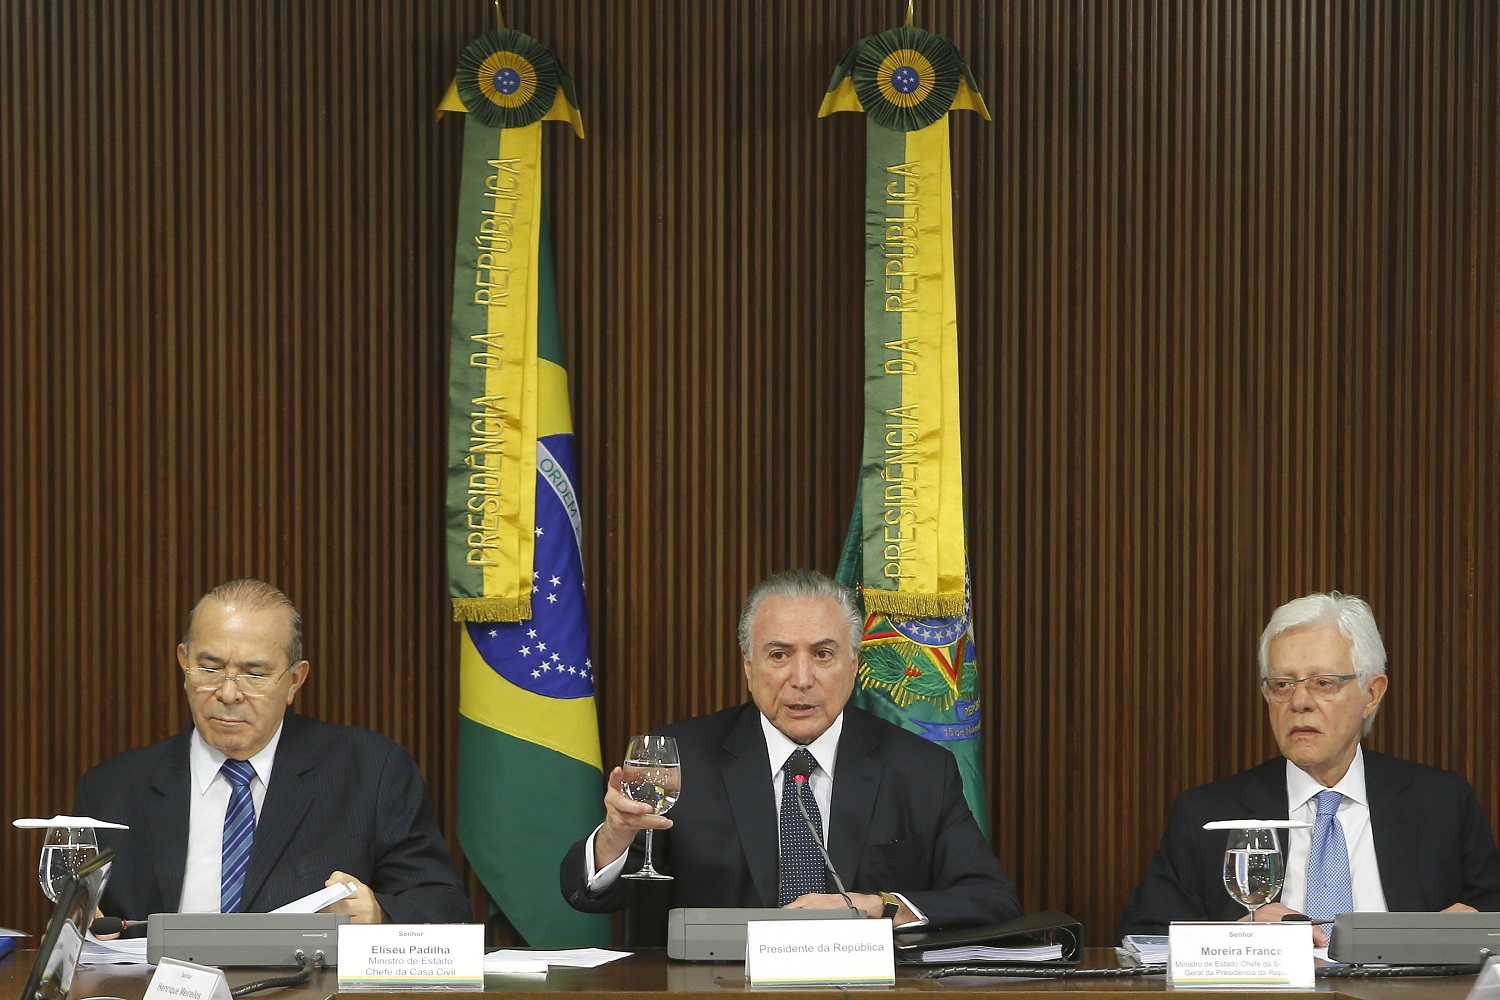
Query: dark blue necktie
[(1330, 891), (239, 831), (802, 868)]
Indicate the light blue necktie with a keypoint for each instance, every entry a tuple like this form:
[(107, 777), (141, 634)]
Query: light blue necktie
[(1329, 888), (802, 868), (239, 831)]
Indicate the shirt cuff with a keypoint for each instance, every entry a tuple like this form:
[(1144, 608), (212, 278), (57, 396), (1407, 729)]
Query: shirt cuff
[(921, 920), (605, 877)]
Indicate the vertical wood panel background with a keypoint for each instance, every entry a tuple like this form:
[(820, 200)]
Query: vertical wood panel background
[(1230, 294)]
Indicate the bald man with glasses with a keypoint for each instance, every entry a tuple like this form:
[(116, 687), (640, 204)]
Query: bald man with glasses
[(1384, 834), (253, 806)]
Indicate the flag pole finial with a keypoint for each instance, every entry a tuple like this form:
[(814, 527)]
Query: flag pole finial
[(500, 21), (911, 11)]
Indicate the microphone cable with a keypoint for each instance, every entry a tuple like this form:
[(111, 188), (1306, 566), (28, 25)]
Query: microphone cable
[(277, 982), (1014, 970), (800, 773)]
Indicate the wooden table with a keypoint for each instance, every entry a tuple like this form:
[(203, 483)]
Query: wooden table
[(649, 974)]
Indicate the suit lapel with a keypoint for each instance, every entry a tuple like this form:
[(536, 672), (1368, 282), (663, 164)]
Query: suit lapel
[(855, 787), (747, 787), (288, 797), (1392, 826), (172, 782)]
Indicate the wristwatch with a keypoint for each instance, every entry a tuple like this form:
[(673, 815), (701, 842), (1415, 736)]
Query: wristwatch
[(892, 905)]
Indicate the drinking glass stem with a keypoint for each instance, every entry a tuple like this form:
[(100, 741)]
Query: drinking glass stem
[(648, 867)]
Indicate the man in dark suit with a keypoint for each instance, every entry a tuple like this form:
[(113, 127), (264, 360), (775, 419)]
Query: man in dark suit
[(890, 804), (320, 803), (1404, 836)]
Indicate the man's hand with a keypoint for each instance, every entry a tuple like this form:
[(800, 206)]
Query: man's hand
[(1459, 908), (361, 906), (1272, 912), (623, 819), (872, 905)]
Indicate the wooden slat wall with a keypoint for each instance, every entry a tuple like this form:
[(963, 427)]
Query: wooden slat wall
[(1230, 292)]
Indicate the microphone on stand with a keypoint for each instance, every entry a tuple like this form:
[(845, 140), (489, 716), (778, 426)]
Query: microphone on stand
[(800, 771)]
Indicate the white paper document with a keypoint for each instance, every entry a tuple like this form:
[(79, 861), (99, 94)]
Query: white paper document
[(120, 951), (992, 953), (1256, 824), (78, 821), (512, 959), (324, 897)]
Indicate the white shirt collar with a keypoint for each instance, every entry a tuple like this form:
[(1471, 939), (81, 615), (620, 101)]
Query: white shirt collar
[(824, 749), (206, 761), (1301, 786)]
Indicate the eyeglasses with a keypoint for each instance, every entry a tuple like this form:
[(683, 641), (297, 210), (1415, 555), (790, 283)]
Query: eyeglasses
[(251, 685), (1323, 687)]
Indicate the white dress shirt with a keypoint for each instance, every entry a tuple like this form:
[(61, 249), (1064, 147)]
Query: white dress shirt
[(208, 799), (1359, 836)]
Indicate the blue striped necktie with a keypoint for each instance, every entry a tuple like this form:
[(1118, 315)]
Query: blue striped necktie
[(1330, 890), (239, 832)]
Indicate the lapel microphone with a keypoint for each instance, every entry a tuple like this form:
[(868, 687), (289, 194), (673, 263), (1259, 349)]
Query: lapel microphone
[(800, 771)]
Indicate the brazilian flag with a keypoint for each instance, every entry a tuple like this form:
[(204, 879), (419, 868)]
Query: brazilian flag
[(530, 777)]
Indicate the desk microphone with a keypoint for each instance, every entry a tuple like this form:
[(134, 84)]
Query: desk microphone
[(118, 925), (800, 771)]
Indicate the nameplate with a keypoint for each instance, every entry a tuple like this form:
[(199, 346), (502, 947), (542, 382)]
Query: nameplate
[(1241, 954), (178, 980), (819, 953), (411, 957), (1487, 983)]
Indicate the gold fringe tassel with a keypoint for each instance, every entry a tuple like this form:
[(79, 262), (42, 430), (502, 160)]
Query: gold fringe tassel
[(891, 602), (492, 609)]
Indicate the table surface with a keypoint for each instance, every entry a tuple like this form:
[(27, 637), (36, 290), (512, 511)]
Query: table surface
[(649, 973)]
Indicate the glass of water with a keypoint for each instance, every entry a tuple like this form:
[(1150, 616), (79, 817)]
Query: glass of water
[(66, 849), (652, 774), (1253, 867)]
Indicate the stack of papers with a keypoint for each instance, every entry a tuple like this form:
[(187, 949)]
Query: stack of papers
[(120, 951), (992, 954), (1143, 949)]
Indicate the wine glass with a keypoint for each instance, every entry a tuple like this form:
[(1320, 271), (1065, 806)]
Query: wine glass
[(1253, 867), (652, 774), (65, 850)]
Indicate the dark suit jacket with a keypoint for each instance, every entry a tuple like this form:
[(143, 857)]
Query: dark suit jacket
[(340, 798), (1432, 842), (898, 823)]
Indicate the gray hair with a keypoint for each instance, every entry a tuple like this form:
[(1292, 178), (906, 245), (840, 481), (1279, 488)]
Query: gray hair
[(253, 595), (802, 585), (1350, 615)]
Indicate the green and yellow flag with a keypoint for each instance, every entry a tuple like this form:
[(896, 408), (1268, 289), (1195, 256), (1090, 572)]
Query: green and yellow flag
[(530, 777), (905, 553)]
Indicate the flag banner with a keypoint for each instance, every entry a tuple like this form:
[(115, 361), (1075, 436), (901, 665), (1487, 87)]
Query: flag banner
[(905, 554), (906, 80), (510, 83), (530, 775)]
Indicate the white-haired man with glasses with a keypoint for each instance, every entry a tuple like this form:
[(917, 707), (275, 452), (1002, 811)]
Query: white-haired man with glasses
[(252, 806), (1385, 834)]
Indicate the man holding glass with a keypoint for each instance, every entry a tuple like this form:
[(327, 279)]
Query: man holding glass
[(888, 804), (1381, 833), (253, 806)]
